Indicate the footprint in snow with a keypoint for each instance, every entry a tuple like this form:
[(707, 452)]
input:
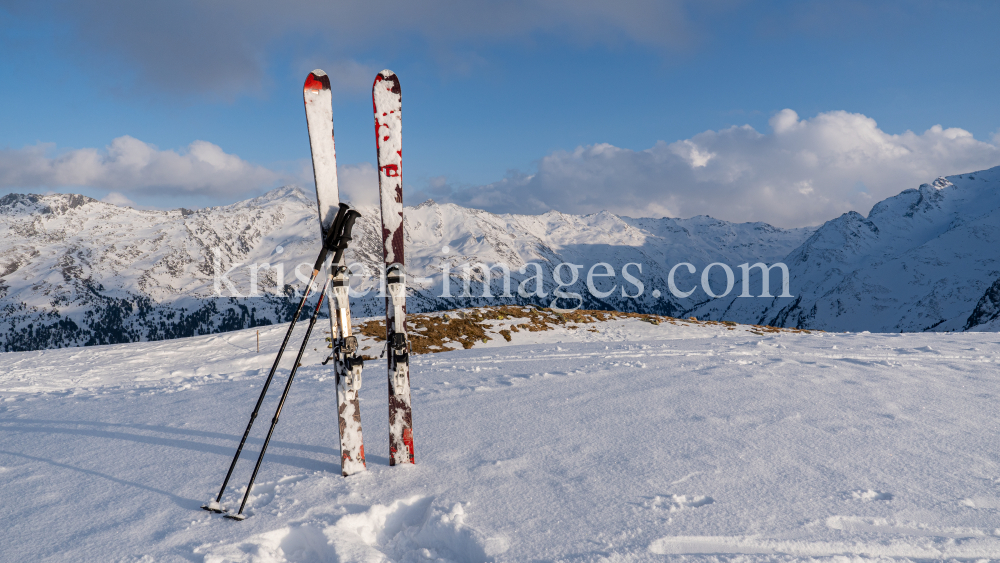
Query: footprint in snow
[(263, 493), (673, 503)]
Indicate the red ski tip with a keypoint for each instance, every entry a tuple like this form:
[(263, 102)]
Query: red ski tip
[(317, 80), (390, 77)]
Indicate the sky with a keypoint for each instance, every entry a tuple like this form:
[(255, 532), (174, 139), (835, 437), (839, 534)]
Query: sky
[(790, 113)]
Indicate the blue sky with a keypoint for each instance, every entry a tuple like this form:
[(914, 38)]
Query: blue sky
[(786, 112)]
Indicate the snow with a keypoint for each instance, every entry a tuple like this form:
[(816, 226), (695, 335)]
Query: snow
[(922, 260), (636, 443), (121, 274), (75, 271)]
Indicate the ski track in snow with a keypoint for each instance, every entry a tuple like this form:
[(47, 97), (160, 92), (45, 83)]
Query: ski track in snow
[(636, 443)]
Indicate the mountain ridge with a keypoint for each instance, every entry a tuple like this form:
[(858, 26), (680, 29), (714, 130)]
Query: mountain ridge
[(921, 260), (77, 271)]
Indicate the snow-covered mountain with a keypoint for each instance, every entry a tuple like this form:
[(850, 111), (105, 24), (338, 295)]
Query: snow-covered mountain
[(926, 259), (76, 271)]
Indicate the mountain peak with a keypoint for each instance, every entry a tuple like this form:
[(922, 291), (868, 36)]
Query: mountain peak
[(941, 183), (290, 190), (34, 203)]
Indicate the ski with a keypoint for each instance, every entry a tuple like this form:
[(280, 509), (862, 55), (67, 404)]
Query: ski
[(387, 106), (319, 119)]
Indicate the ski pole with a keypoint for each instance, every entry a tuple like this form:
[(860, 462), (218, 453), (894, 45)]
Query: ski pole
[(281, 403), (331, 240), (341, 246)]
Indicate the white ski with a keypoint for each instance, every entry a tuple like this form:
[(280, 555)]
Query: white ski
[(387, 105), (319, 117)]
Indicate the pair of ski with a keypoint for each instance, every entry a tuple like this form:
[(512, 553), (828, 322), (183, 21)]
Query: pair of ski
[(336, 222), (387, 107)]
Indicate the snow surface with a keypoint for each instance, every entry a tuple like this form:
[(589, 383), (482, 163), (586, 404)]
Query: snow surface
[(634, 443)]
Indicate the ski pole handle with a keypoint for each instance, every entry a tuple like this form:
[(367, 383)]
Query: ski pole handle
[(352, 216), (333, 235)]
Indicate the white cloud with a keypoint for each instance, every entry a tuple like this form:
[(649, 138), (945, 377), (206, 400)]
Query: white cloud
[(116, 198), (803, 172), (132, 169), (129, 165), (693, 154), (358, 184)]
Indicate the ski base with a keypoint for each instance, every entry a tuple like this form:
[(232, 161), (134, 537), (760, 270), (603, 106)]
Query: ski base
[(239, 517)]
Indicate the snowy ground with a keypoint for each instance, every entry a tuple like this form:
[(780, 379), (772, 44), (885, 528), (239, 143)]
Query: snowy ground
[(635, 443)]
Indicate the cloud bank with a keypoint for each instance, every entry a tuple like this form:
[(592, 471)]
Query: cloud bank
[(803, 172), (130, 166)]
